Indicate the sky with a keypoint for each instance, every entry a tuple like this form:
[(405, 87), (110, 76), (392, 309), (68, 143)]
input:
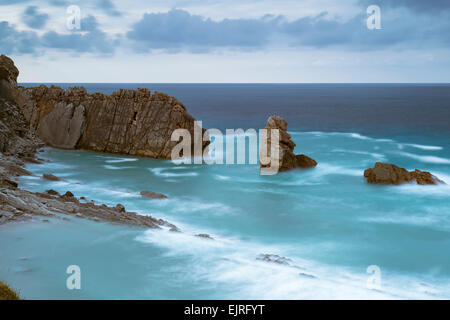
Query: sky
[(227, 41)]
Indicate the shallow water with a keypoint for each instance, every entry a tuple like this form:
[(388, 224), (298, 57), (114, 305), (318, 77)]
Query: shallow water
[(328, 221)]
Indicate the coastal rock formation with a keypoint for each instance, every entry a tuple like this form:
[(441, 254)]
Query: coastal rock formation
[(8, 77), (51, 177), (288, 160), (386, 173), (153, 195), (18, 205), (63, 126), (19, 145), (126, 122), (132, 122)]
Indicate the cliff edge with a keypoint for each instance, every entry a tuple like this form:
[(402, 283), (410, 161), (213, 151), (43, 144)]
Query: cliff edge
[(132, 122)]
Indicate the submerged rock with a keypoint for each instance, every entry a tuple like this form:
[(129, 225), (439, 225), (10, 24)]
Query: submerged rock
[(153, 195), (288, 160), (274, 258), (387, 173), (50, 177), (204, 235)]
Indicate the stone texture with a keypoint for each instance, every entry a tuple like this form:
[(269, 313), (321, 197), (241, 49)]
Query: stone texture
[(386, 173), (153, 195), (63, 126), (8, 77), (288, 160), (132, 122), (50, 177)]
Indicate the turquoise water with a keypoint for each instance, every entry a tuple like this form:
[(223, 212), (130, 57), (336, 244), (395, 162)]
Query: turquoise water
[(328, 221)]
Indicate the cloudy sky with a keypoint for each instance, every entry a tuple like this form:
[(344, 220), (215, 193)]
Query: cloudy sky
[(227, 41)]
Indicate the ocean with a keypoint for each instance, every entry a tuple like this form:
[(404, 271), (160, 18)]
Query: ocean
[(329, 224)]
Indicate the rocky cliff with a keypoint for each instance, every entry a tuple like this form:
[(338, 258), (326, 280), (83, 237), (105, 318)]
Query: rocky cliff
[(133, 122), (287, 159)]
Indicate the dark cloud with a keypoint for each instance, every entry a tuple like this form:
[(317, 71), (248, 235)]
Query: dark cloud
[(89, 39), (13, 41), (33, 18), (108, 7), (178, 29)]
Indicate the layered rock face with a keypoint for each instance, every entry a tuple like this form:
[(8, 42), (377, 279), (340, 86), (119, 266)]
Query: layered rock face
[(287, 159), (386, 173), (133, 122), (15, 138), (8, 77)]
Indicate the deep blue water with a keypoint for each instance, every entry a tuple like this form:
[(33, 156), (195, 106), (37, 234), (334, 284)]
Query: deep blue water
[(328, 221)]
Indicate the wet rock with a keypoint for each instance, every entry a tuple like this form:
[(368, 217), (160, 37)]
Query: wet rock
[(50, 177), (204, 235), (386, 173), (305, 162), (424, 177), (8, 183), (32, 160), (287, 159), (274, 258), (120, 208), (153, 195), (52, 192)]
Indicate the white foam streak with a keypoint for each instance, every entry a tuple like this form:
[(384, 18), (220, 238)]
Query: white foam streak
[(426, 158)]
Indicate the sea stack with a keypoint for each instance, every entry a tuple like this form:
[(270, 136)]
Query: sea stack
[(387, 173), (132, 122), (288, 160)]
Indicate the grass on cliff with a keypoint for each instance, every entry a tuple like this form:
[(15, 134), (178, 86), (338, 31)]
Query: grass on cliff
[(6, 293)]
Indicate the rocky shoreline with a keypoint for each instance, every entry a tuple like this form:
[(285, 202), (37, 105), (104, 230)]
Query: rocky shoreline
[(132, 122), (20, 145)]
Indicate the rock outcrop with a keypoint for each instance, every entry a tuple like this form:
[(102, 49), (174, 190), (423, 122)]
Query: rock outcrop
[(132, 122), (153, 195), (8, 78), (287, 159), (19, 145), (386, 173)]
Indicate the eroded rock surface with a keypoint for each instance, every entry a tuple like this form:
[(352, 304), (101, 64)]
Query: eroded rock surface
[(287, 159), (153, 195), (19, 145), (133, 122), (387, 173)]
